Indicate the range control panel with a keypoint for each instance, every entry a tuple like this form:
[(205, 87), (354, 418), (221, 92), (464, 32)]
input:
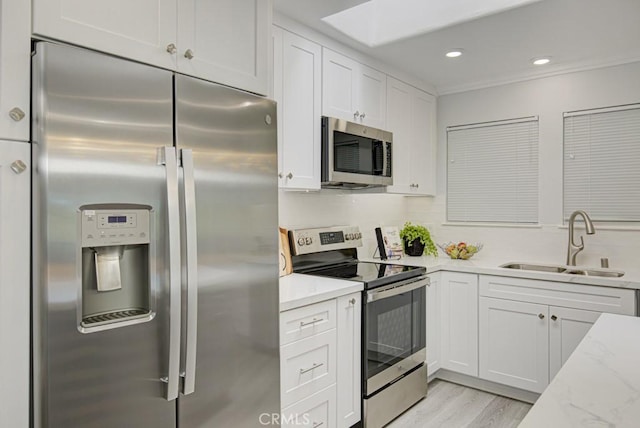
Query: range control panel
[(306, 241), (114, 227)]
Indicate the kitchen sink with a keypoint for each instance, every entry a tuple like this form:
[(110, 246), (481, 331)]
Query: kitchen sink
[(604, 273), (601, 273), (539, 268)]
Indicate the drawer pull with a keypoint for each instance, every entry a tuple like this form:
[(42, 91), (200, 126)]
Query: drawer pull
[(313, 367), (317, 424), (313, 321)]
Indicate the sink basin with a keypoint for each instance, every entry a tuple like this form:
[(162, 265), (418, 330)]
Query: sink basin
[(539, 268), (590, 272), (604, 273)]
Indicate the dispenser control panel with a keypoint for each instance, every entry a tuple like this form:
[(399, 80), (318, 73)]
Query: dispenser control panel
[(114, 227)]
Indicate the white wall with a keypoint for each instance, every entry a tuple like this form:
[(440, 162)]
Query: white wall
[(546, 98), (335, 207)]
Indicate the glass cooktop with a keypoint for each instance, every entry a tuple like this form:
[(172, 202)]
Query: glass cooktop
[(372, 274)]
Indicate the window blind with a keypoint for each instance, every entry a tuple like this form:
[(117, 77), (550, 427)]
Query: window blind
[(492, 172), (602, 163)]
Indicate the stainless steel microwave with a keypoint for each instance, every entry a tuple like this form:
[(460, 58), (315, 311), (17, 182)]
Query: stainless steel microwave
[(355, 156)]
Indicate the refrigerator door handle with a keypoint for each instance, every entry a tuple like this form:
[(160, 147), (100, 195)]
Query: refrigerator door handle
[(168, 158), (191, 254)]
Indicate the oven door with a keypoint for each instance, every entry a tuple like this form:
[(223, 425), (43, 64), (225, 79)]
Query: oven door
[(394, 332)]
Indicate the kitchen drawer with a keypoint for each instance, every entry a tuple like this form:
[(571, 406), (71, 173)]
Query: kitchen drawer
[(567, 295), (318, 410), (307, 321), (307, 366)]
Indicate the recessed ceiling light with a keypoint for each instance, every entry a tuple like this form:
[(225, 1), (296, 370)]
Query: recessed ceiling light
[(541, 61), (454, 53)]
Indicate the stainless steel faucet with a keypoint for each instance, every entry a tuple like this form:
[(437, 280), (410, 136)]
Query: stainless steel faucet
[(573, 249)]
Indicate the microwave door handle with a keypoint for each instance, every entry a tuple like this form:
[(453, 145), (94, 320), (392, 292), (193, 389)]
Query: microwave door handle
[(191, 255), (168, 158)]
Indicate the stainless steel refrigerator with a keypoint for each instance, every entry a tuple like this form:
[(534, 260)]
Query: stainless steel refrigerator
[(155, 271)]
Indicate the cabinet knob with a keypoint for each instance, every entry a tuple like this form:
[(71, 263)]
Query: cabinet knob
[(352, 301), (188, 54), (356, 114), (280, 175), (541, 316), (289, 176), (553, 317), (171, 48), (18, 166), (16, 114), (362, 115), (417, 185)]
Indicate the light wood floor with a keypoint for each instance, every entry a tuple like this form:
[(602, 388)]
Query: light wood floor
[(453, 406)]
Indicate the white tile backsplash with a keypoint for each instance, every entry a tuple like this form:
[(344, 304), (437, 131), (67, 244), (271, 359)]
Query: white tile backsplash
[(337, 207)]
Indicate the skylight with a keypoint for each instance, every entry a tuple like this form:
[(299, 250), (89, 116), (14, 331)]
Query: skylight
[(378, 22)]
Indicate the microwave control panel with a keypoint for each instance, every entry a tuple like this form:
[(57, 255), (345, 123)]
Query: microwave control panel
[(306, 241)]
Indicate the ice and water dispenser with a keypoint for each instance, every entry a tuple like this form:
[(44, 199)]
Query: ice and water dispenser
[(116, 266)]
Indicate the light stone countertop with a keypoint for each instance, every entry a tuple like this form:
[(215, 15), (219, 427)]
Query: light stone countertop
[(480, 264), (298, 290), (599, 385)]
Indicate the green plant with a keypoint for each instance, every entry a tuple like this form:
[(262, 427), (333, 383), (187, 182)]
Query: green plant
[(411, 232)]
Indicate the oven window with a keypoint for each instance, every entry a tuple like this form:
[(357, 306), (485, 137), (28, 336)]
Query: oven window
[(395, 330), (357, 155)]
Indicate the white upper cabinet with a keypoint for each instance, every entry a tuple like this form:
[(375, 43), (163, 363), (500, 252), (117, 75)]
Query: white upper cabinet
[(353, 91), (144, 30), (224, 41), (411, 119), (15, 60), (297, 89)]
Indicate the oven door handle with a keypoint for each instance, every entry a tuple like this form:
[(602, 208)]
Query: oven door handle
[(377, 294)]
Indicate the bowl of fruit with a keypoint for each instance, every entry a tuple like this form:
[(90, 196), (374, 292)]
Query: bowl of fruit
[(460, 250)]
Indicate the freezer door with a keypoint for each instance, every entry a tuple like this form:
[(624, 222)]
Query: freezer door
[(232, 138), (98, 124)]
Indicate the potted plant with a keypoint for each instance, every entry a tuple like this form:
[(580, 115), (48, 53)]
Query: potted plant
[(417, 240)]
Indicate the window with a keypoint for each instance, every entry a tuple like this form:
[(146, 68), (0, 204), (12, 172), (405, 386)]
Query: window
[(492, 172), (602, 163)]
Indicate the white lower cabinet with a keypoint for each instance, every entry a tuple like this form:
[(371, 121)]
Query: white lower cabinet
[(529, 328), (320, 377), (567, 327), (433, 322), (349, 359), (514, 343), (15, 239), (459, 341), (318, 410)]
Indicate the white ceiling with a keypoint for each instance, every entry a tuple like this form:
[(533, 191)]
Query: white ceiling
[(577, 34)]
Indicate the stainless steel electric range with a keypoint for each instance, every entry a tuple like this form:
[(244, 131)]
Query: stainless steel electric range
[(394, 374)]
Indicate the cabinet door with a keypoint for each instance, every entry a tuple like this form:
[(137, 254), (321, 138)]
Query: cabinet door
[(225, 41), (141, 30), (371, 96), (15, 60), (299, 126), (399, 118), (566, 329), (339, 86), (422, 162), (433, 323), (349, 359), (14, 283), (514, 343), (460, 322)]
